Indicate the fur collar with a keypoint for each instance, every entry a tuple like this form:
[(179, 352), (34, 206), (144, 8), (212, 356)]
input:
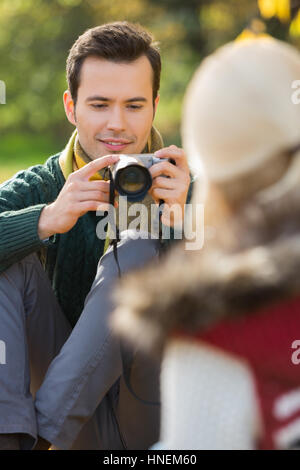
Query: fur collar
[(191, 291)]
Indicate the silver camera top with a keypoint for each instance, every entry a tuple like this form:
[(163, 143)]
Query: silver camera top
[(145, 159)]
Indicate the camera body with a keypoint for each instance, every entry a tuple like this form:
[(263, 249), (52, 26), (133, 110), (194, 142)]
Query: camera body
[(131, 176)]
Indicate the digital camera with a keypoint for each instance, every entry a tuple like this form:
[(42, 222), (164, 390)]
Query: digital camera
[(131, 175)]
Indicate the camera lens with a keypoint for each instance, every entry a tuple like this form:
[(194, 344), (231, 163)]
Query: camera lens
[(133, 180)]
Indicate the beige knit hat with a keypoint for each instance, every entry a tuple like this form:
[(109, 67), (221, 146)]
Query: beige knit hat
[(238, 111)]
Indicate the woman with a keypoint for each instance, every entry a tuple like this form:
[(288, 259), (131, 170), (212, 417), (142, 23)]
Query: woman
[(227, 317)]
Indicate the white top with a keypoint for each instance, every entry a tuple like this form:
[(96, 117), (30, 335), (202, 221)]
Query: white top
[(208, 399)]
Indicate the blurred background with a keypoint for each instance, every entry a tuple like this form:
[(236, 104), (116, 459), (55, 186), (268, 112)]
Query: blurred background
[(36, 35)]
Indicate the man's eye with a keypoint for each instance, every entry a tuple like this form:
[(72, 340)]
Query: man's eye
[(99, 105)]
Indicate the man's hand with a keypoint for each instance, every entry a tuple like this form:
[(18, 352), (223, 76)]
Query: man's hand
[(173, 190), (78, 196)]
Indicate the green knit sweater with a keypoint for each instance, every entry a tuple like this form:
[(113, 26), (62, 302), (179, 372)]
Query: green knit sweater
[(70, 259)]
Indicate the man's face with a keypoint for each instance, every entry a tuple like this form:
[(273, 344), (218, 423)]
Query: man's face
[(114, 109)]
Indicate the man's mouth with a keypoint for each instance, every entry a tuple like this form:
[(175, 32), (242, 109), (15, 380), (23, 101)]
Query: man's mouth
[(115, 144)]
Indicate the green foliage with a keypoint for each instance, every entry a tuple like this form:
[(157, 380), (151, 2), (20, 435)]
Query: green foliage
[(20, 151), (36, 35)]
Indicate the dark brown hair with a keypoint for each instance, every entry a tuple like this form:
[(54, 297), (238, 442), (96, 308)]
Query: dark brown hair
[(119, 42)]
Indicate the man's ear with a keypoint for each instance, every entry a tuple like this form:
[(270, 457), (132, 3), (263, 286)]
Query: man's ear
[(156, 101), (69, 107)]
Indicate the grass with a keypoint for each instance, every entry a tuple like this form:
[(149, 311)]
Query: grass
[(7, 171), (22, 151)]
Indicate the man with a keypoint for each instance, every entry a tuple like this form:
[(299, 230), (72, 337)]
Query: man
[(63, 380)]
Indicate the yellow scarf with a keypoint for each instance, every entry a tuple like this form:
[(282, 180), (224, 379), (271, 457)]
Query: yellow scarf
[(73, 157)]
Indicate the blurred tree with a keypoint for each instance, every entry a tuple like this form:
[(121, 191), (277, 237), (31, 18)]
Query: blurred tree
[(36, 35), (279, 8), (286, 11)]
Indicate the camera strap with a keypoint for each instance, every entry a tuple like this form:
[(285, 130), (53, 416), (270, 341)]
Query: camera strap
[(116, 237), (127, 354)]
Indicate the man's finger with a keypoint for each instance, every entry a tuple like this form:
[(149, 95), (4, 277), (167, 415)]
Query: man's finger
[(94, 196), (176, 153), (95, 186), (86, 206), (91, 168), (165, 194), (164, 168), (165, 183)]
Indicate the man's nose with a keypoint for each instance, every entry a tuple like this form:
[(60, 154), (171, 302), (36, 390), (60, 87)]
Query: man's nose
[(116, 120)]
